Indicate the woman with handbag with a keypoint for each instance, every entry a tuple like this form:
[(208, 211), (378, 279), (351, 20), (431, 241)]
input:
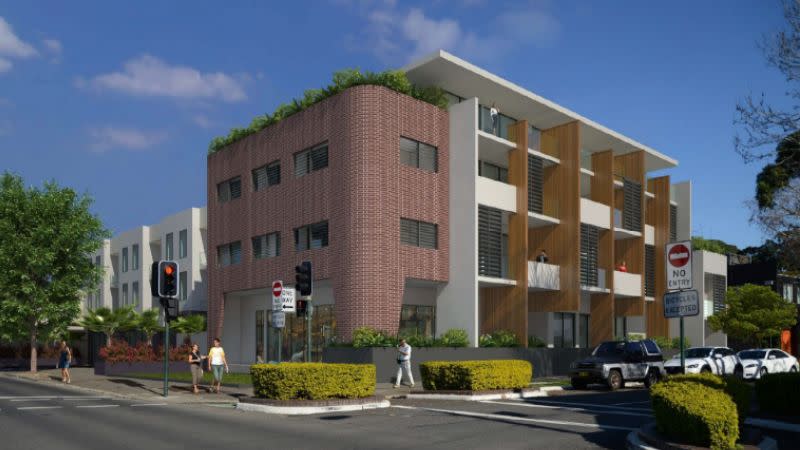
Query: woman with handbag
[(196, 367)]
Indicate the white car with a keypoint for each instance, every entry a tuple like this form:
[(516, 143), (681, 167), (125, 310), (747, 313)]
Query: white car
[(762, 361), (716, 360)]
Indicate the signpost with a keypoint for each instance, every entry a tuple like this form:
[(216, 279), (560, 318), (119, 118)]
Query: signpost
[(279, 321), (683, 302), (278, 317)]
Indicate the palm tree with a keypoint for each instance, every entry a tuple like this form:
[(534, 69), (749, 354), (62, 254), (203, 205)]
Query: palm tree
[(108, 322), (147, 323), (191, 324)]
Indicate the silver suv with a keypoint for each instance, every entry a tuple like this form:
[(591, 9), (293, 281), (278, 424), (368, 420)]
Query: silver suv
[(615, 362)]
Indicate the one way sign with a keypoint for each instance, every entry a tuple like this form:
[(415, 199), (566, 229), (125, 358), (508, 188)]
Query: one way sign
[(287, 304)]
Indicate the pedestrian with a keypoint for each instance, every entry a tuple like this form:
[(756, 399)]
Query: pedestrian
[(64, 360), (196, 367), (542, 258), (216, 362), (493, 113), (403, 363), (622, 267)]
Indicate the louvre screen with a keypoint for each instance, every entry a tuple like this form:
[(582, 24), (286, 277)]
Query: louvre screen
[(535, 182), (673, 223), (589, 239), (632, 209), (649, 271), (718, 292), (490, 241)]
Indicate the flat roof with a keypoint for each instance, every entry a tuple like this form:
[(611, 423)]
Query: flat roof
[(467, 80)]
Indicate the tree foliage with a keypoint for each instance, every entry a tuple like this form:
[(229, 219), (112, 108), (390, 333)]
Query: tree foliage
[(147, 322), (753, 314), (713, 245), (191, 324), (395, 80), (45, 236), (104, 320)]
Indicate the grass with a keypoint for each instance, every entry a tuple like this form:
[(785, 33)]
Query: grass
[(186, 377)]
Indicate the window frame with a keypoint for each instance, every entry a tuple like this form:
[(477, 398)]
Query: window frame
[(227, 249), (183, 243), (135, 257), (169, 243), (124, 259), (262, 254), (308, 154), (417, 155), (307, 231), (225, 187), (418, 224), (266, 168), (183, 285)]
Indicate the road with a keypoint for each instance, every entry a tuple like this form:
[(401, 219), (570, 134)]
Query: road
[(33, 416)]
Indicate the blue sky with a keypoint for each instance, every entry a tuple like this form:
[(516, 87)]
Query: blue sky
[(120, 99)]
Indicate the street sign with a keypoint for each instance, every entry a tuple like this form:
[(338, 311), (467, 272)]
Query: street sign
[(278, 319), (681, 304), (277, 288), (288, 300), (679, 265)]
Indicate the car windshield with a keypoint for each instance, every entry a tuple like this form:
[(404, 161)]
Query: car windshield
[(696, 353), (752, 354), (609, 349)]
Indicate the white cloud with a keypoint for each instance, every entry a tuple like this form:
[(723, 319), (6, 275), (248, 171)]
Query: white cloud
[(202, 121), (150, 76), (11, 45), (109, 138), (5, 65)]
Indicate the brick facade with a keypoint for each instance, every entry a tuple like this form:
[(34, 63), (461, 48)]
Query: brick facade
[(363, 193)]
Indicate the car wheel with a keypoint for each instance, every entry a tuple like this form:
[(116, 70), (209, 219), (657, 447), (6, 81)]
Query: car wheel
[(793, 369), (650, 379), (738, 372), (764, 371), (578, 384), (615, 380), (705, 369)]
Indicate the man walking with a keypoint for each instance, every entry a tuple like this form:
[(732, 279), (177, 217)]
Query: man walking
[(403, 363)]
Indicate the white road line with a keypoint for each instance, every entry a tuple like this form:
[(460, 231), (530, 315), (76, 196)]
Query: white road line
[(148, 404), (12, 397), (97, 406), (32, 400), (589, 405), (518, 419), (631, 403), (565, 408), (22, 408), (80, 399)]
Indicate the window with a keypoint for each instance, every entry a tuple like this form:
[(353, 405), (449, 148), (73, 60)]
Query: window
[(417, 320), (649, 271), (168, 246), (125, 294), (311, 237), (651, 346), (583, 330), (135, 293), (493, 171), (490, 242), (311, 159), (229, 254), (588, 253), (673, 223), (97, 261), (229, 189), (564, 330), (267, 245), (620, 327), (135, 257), (418, 234), (535, 184), (266, 176), (183, 285), (417, 154), (125, 259), (183, 237), (486, 125)]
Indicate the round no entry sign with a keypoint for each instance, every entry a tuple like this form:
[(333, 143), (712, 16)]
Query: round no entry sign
[(678, 255), (277, 288)]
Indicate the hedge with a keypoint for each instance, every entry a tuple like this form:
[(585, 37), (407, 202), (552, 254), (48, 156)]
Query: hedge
[(779, 393), (693, 413), (738, 390), (476, 375), (312, 381)]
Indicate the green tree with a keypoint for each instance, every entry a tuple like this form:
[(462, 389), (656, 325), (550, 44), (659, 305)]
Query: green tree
[(754, 313), (147, 323), (108, 322), (191, 324), (713, 245), (46, 235)]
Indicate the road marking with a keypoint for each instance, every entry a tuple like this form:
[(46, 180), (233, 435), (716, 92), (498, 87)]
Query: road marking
[(32, 400), (591, 405), (148, 404), (50, 397), (631, 403), (80, 399), (97, 406), (518, 419), (564, 408), (12, 397), (22, 408)]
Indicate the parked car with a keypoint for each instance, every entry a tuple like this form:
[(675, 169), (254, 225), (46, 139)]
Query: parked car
[(615, 362), (759, 362), (716, 360)]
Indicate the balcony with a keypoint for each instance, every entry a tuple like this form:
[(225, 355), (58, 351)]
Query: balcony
[(594, 213), (543, 276), (649, 235), (600, 288), (496, 194), (619, 231), (627, 284)]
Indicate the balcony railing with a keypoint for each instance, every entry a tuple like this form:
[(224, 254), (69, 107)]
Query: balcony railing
[(627, 284), (543, 276)]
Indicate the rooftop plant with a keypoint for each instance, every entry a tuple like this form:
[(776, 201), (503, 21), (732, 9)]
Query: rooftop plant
[(395, 80)]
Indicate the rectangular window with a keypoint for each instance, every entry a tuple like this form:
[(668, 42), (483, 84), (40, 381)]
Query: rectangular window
[(311, 159), (588, 252), (229, 189), (183, 286), (583, 330), (135, 293), (632, 209), (564, 330), (168, 247), (535, 184), (649, 271), (125, 294), (418, 234), (418, 154), (267, 176), (183, 237), (620, 327), (267, 245), (490, 242), (229, 254), (417, 320), (97, 261), (492, 171), (135, 257), (125, 259), (311, 237)]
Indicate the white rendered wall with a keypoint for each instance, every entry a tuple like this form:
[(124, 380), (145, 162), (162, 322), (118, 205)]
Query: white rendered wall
[(496, 194), (594, 213), (683, 197)]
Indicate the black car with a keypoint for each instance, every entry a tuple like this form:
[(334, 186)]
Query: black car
[(615, 362)]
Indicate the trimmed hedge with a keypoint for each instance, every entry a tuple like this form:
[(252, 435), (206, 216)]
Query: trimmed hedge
[(779, 393), (312, 381), (738, 390), (693, 413), (476, 375)]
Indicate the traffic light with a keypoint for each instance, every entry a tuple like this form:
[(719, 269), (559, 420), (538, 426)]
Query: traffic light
[(171, 309), (303, 278), (300, 307), (164, 281)]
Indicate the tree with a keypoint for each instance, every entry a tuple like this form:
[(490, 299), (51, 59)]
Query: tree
[(46, 235), (713, 245), (108, 322), (191, 324), (147, 323), (754, 313)]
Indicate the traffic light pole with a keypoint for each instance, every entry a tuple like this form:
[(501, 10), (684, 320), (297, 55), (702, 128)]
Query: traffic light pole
[(683, 357), (309, 314), (166, 352)]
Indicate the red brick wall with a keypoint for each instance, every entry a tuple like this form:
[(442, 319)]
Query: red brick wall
[(362, 193)]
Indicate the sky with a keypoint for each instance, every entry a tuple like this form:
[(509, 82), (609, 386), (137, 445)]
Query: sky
[(120, 99)]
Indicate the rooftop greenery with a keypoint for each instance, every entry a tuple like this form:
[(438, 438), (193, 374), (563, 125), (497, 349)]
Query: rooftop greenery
[(395, 80)]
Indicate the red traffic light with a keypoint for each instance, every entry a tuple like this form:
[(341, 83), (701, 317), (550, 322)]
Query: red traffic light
[(168, 269)]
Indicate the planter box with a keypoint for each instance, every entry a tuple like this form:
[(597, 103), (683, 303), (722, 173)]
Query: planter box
[(547, 362), (25, 363), (103, 368)]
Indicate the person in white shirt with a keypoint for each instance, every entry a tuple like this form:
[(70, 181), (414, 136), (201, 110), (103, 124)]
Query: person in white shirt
[(493, 112), (403, 363), (216, 361)]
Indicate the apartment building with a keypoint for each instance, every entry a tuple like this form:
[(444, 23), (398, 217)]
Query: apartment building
[(418, 219)]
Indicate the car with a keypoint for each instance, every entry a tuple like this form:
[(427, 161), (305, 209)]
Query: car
[(716, 360), (614, 363), (759, 362)]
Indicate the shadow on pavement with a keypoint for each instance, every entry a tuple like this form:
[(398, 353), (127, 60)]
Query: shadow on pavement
[(133, 384)]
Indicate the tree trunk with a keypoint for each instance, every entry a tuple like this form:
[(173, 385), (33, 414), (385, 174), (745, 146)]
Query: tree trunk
[(34, 356), (108, 339)]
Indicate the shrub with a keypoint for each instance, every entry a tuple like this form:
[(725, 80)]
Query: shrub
[(779, 393), (500, 338), (476, 375), (738, 390), (370, 337), (454, 337), (696, 414), (664, 343), (418, 341), (120, 351), (536, 342), (676, 343), (312, 381)]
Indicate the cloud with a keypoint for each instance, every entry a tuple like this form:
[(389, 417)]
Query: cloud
[(54, 47), (149, 76), (202, 121), (109, 138), (11, 45), (5, 65)]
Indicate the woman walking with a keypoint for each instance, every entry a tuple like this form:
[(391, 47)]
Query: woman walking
[(64, 360), (216, 362), (196, 367)]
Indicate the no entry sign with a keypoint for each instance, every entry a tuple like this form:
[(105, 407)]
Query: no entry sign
[(277, 288), (679, 265)]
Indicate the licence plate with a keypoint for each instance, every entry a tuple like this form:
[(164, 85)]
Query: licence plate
[(583, 374)]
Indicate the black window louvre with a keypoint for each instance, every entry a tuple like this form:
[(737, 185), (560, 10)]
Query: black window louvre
[(490, 232), (589, 250), (649, 271), (266, 176), (718, 286), (418, 234), (673, 223), (418, 154), (632, 208), (535, 184), (319, 157)]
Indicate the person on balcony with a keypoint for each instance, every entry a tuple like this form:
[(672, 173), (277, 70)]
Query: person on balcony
[(622, 267), (494, 113), (542, 258)]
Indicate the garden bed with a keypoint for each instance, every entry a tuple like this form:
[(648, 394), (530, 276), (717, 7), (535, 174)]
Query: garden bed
[(648, 437)]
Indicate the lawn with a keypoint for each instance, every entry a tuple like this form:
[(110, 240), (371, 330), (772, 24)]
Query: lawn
[(186, 377)]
